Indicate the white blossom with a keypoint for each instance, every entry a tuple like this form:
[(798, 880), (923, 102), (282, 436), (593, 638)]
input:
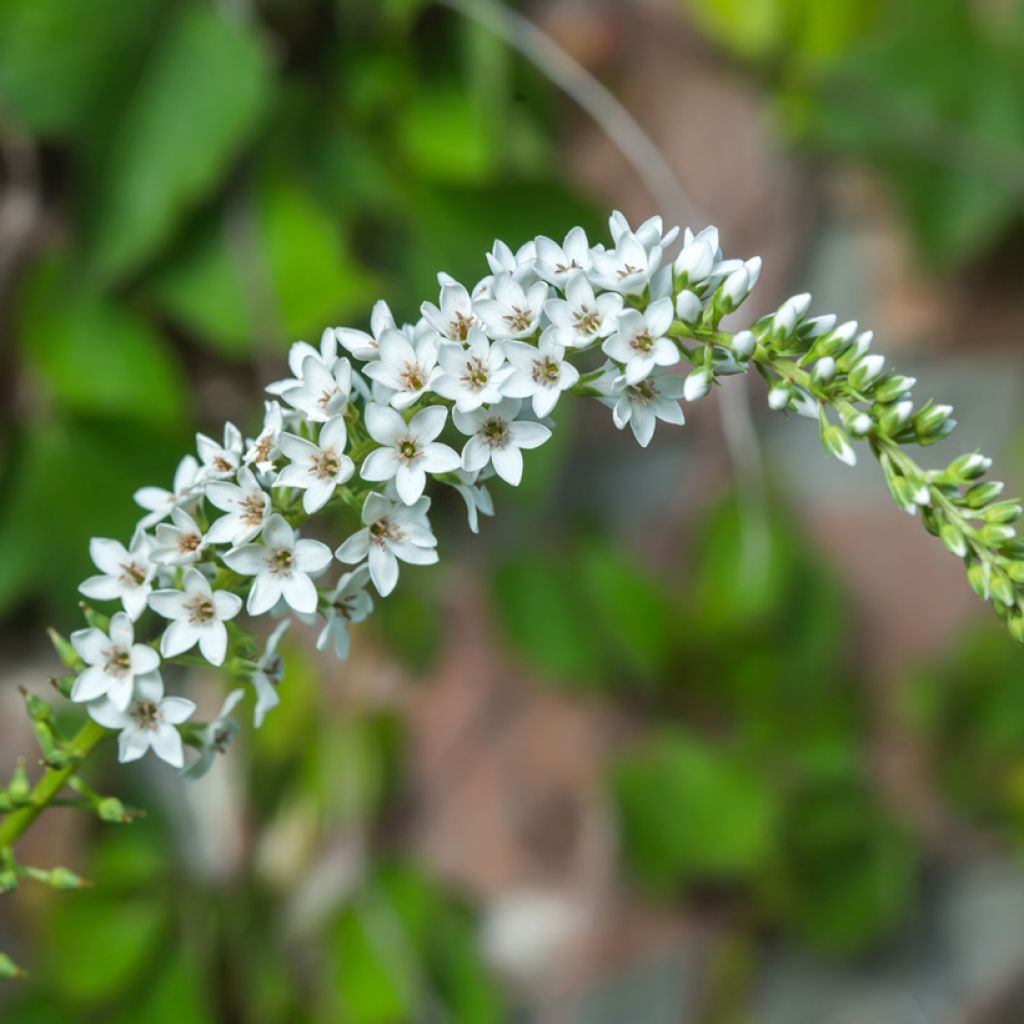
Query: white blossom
[(318, 469), (557, 263), (477, 497), (326, 355), (216, 736), (197, 613), (267, 674), (640, 343), (513, 312), (127, 573), (283, 567), (323, 391), (521, 264), (474, 373), (159, 502), (455, 315), (541, 372), (641, 405), (179, 542), (361, 345), (408, 368), (219, 460), (497, 438), (651, 233), (582, 318), (263, 450), (348, 603), (628, 268), (113, 661), (409, 450), (393, 531), (149, 722), (247, 506)]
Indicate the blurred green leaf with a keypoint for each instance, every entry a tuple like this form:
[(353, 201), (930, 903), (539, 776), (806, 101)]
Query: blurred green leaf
[(95, 356), (199, 100), (63, 61), (174, 995), (689, 810)]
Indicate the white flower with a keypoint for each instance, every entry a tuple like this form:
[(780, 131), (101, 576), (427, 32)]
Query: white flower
[(627, 268), (247, 506), (147, 723), (697, 258), (581, 319), (455, 316), (267, 675), (496, 438), (179, 542), (514, 311), (263, 450), (127, 572), (198, 613), (323, 391), (297, 356), (159, 502), (476, 496), (651, 234), (220, 460), (408, 368), (409, 450), (557, 263), (363, 346), (283, 567), (347, 603), (113, 662), (216, 737), (642, 405), (541, 372), (521, 264), (473, 374), (316, 468), (640, 343), (393, 531), (790, 313)]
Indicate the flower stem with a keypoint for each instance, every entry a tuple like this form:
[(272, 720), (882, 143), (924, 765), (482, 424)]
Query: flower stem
[(48, 788)]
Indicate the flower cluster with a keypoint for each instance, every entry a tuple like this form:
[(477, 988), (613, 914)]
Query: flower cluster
[(367, 421)]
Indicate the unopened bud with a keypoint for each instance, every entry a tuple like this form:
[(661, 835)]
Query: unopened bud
[(836, 443), (1004, 512), (743, 344), (968, 467), (688, 307), (862, 375), (697, 384), (778, 398), (824, 370), (953, 539), (933, 423), (893, 387), (981, 494)]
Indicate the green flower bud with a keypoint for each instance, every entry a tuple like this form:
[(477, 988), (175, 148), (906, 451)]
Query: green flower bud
[(968, 467), (978, 574), (1004, 512), (67, 654), (953, 539), (981, 494), (892, 387), (933, 423), (1002, 589), (1015, 625), (9, 969), (994, 534), (38, 709), (836, 442), (19, 787), (65, 880)]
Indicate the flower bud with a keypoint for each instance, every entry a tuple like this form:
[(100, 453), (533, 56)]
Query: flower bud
[(953, 539), (968, 467), (860, 424), (824, 370), (697, 384), (1004, 512), (694, 262), (817, 327), (734, 289), (688, 307), (893, 387), (978, 576), (743, 344), (865, 372), (981, 494), (789, 314), (994, 534), (836, 443), (778, 398), (933, 423), (893, 418), (65, 880), (1015, 625)]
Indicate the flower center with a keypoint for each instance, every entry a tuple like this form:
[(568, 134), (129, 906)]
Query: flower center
[(562, 268), (189, 542), (119, 661), (200, 609), (326, 397), (545, 371), (383, 531), (642, 343), (519, 319), (476, 375), (253, 506), (626, 269), (642, 393), (222, 464), (343, 606), (408, 450), (459, 327), (282, 561), (587, 320), (131, 574), (412, 377), (495, 432), (272, 667), (261, 451), (146, 715), (326, 464)]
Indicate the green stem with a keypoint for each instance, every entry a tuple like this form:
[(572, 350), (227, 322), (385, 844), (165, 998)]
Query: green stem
[(48, 788)]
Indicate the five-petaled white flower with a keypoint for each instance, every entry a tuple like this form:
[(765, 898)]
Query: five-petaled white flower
[(197, 614), (408, 368), (219, 460), (283, 565), (514, 311), (642, 405), (324, 390), (361, 345), (127, 573), (393, 531), (628, 268), (114, 662), (496, 437), (268, 673), (149, 722), (316, 468), (582, 318), (179, 542), (454, 317), (541, 372), (409, 450), (327, 355), (159, 502), (247, 506), (263, 450), (216, 736), (557, 263), (474, 373), (477, 497), (349, 602), (640, 343)]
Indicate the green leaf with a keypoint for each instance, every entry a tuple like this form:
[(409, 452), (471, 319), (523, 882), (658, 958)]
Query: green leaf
[(63, 61), (688, 810), (199, 101), (95, 356)]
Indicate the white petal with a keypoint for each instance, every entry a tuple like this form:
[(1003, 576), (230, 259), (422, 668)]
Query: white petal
[(213, 642), (265, 593), (311, 556), (508, 464), (410, 482), (300, 592), (176, 710), (380, 464), (248, 560), (383, 569), (354, 549), (91, 684), (166, 743), (178, 638)]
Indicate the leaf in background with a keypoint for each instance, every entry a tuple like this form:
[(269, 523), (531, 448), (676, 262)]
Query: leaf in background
[(174, 995), (689, 810), (296, 279), (63, 61), (95, 356), (198, 102)]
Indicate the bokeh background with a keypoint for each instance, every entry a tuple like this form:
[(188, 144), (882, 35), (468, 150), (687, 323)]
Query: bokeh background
[(714, 735)]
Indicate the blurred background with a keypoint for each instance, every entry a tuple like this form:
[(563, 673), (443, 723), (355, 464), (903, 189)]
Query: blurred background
[(713, 735)]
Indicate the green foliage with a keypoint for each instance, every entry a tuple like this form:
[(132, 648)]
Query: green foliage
[(200, 98)]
